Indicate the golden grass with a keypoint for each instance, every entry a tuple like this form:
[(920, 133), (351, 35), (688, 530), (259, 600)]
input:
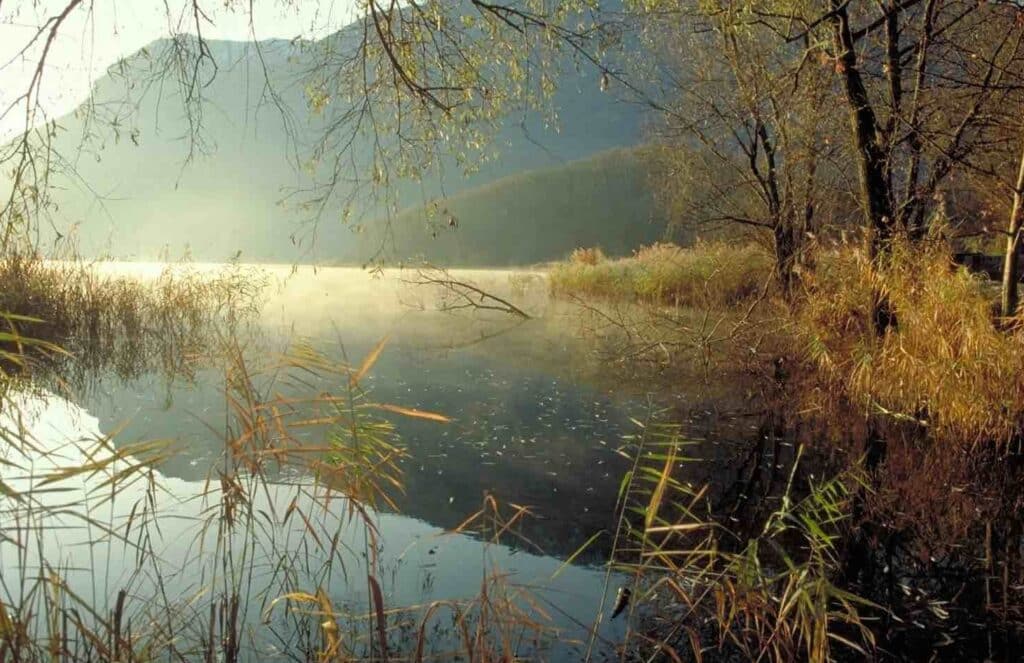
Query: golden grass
[(587, 256), (715, 274), (945, 363), (107, 320)]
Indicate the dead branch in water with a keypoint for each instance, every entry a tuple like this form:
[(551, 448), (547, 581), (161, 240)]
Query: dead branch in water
[(463, 295)]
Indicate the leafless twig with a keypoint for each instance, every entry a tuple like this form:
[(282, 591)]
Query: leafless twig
[(459, 295)]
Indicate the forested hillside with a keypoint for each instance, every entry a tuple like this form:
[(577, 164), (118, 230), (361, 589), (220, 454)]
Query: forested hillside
[(249, 172), (530, 217)]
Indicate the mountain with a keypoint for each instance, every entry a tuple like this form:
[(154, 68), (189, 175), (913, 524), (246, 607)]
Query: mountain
[(142, 188), (530, 217)]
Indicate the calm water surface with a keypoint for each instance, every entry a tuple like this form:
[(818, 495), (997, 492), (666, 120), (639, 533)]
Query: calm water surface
[(533, 423), (536, 421)]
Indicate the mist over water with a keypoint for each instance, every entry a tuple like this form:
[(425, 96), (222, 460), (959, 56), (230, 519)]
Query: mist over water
[(527, 426), (537, 420)]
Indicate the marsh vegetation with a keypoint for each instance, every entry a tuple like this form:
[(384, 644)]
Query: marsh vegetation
[(742, 397)]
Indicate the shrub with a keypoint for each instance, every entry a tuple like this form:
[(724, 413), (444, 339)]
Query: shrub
[(585, 256)]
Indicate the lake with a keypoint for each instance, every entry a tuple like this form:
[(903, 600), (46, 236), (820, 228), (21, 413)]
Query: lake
[(536, 418)]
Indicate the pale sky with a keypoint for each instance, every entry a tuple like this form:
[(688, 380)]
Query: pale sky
[(100, 32)]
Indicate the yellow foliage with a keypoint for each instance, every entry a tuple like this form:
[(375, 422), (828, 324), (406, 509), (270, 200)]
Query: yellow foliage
[(706, 274), (944, 361)]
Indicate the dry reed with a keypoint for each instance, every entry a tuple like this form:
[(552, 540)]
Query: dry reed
[(708, 274), (945, 364)]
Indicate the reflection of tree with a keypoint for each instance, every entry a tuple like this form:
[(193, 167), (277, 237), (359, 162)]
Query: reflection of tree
[(667, 337), (481, 337)]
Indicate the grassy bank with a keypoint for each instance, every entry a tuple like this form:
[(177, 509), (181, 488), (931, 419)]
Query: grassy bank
[(707, 274), (946, 363), (928, 416)]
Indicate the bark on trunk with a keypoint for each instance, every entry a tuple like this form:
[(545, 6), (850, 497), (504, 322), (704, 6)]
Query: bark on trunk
[(875, 194), (785, 255), (1011, 262), (875, 190), (784, 231)]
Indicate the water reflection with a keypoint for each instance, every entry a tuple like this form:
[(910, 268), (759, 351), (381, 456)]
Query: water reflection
[(159, 542), (536, 421)]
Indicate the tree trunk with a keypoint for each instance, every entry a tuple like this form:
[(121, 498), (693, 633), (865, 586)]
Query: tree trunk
[(1011, 262), (785, 254), (875, 190), (783, 228), (875, 193)]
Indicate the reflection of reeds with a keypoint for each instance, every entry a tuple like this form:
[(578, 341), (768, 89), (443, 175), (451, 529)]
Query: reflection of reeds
[(767, 596), (261, 555)]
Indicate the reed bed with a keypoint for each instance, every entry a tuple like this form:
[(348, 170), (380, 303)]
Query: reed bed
[(118, 322), (708, 274), (769, 590), (946, 363)]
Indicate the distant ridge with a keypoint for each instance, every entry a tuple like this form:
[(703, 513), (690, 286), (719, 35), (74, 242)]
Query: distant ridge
[(532, 217), (131, 198)]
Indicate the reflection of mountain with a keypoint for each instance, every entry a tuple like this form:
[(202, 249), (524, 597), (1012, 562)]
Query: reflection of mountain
[(523, 436), (524, 429), (102, 524), (227, 198), (536, 422)]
